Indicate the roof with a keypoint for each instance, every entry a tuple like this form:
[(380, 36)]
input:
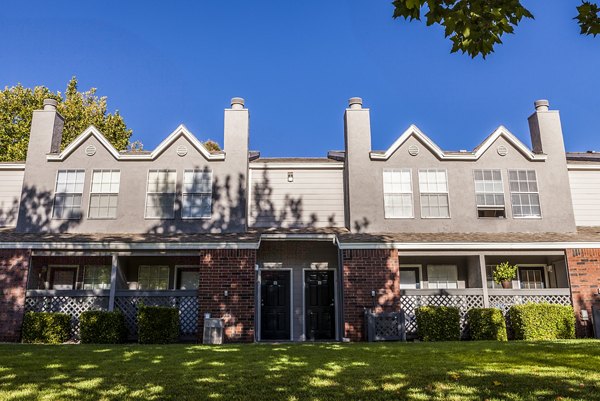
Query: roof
[(295, 160), (590, 156)]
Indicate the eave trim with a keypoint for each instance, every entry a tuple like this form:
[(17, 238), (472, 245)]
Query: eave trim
[(468, 245), (127, 246)]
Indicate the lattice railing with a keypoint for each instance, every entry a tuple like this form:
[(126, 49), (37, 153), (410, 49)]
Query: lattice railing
[(73, 305), (187, 303), (461, 299), (505, 301)]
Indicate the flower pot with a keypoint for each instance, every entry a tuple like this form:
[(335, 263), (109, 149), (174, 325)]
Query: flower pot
[(506, 284)]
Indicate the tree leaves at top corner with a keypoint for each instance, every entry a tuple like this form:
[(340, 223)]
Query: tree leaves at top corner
[(588, 18)]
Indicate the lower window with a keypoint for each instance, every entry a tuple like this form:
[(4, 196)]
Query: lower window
[(442, 276), (96, 277), (532, 277), (153, 278), (63, 278), (410, 277), (188, 278)]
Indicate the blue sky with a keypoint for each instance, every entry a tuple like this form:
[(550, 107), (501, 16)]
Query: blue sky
[(297, 63)]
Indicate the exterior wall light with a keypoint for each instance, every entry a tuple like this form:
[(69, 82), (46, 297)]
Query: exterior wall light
[(290, 176)]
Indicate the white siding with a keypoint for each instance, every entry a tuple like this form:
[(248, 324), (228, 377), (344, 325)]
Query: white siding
[(585, 190), (11, 182), (315, 198)]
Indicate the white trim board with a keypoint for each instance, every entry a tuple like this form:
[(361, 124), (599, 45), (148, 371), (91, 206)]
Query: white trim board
[(12, 166), (573, 167), (295, 165), (469, 245), (501, 131), (109, 245), (180, 131)]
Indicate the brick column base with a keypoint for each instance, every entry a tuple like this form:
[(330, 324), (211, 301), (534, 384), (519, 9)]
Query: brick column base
[(14, 266), (584, 275), (232, 271), (366, 271)]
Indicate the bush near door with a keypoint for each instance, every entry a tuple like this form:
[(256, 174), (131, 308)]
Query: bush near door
[(487, 324), (438, 323), (102, 327), (542, 321), (46, 327), (157, 324)]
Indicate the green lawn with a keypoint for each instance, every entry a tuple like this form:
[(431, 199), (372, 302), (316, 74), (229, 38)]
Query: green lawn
[(565, 370)]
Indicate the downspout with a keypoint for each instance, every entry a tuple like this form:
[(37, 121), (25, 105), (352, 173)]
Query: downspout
[(340, 308)]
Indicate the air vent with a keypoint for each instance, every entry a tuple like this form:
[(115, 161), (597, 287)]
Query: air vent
[(181, 150), (413, 150), (90, 150), (502, 151)]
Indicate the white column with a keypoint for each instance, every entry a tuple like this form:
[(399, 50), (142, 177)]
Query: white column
[(113, 282), (486, 298)]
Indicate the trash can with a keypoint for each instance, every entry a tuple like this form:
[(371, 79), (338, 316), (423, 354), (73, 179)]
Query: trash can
[(213, 331)]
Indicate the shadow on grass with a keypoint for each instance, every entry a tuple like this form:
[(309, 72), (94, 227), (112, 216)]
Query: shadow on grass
[(461, 371)]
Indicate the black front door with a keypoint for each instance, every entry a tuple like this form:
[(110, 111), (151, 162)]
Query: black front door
[(275, 305), (319, 301)]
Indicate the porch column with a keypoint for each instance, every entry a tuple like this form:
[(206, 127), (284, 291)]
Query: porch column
[(483, 274), (113, 281)]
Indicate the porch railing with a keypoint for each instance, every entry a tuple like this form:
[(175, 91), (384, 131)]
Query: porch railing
[(504, 299)]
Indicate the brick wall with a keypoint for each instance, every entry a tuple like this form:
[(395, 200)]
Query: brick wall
[(14, 266), (364, 271), (584, 274), (231, 270)]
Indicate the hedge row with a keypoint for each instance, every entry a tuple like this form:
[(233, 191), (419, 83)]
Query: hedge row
[(45, 327), (101, 327), (532, 321)]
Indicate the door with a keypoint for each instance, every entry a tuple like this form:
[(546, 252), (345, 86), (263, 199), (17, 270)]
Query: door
[(532, 277), (275, 305), (319, 298)]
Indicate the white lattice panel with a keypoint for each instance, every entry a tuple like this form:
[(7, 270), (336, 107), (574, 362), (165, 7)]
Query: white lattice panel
[(504, 302), (73, 306), (187, 305)]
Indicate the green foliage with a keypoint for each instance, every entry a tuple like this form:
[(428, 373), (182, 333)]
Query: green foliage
[(102, 327), (438, 323), (48, 328), (487, 324), (157, 324), (588, 18), (504, 272), (80, 110), (475, 27), (542, 321)]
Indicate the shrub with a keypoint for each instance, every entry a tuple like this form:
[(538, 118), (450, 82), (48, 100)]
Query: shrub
[(487, 324), (45, 327), (542, 321), (438, 323), (102, 327), (157, 324)]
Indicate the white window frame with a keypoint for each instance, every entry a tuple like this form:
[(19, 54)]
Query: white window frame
[(85, 270), (184, 267), (140, 267), (56, 192), (537, 266), (493, 192), (184, 193), (437, 287), (174, 193), (421, 192), (411, 266), (526, 193), (62, 267), (101, 193), (401, 193)]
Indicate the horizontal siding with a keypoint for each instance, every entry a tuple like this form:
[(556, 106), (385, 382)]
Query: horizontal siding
[(11, 183), (314, 199), (585, 190)]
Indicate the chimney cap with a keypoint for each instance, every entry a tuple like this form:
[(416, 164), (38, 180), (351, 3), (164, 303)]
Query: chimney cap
[(541, 105), (237, 103), (355, 103), (50, 104)]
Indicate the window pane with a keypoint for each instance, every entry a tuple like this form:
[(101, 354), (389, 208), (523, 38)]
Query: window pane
[(524, 193), (397, 193)]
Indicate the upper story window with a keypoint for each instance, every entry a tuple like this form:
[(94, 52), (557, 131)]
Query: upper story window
[(433, 184), (68, 194), (489, 193), (397, 193), (524, 193), (197, 194), (104, 194), (160, 194)]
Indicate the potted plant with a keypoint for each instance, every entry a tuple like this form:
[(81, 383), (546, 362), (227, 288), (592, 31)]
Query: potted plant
[(504, 273)]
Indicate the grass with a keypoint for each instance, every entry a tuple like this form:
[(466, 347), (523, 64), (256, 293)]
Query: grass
[(564, 370)]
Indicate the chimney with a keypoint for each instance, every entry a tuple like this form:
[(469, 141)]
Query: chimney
[(236, 128), (46, 132), (546, 131), (357, 130)]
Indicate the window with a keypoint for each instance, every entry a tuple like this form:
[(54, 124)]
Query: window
[(532, 277), (433, 185), (68, 193), (197, 194), (410, 277), (524, 193), (96, 277), (104, 194), (160, 194), (63, 277), (153, 278), (489, 193), (188, 278), (397, 193), (442, 276)]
